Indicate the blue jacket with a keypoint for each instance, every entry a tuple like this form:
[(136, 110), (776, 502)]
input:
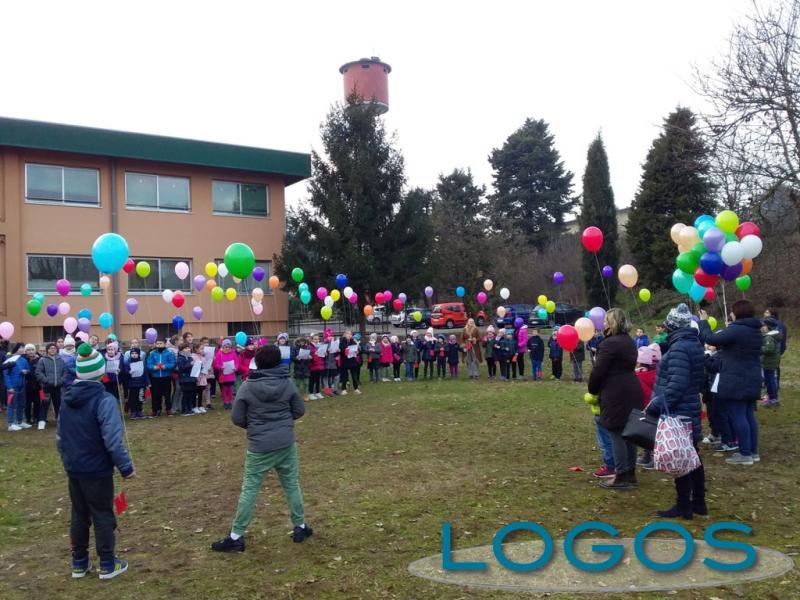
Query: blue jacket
[(536, 348), (69, 368), (13, 375), (89, 433), (185, 362), (166, 358), (508, 348), (556, 351), (680, 379), (133, 382), (642, 340), (739, 348)]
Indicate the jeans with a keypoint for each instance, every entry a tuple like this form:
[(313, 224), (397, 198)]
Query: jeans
[(745, 425), (472, 364), (373, 373), (771, 381), (536, 369), (604, 443), (256, 467), (92, 504), (624, 453), (505, 367), (16, 407), (410, 371), (577, 370)]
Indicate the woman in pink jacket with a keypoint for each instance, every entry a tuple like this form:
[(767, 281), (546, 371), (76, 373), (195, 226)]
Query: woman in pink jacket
[(226, 362)]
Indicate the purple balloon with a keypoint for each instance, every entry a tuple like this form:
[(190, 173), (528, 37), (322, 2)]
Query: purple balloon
[(131, 305), (259, 274), (52, 309), (607, 271), (429, 292), (714, 240), (695, 319), (732, 272), (402, 297), (197, 312), (518, 322), (151, 335), (597, 315), (558, 278), (199, 282), (84, 324)]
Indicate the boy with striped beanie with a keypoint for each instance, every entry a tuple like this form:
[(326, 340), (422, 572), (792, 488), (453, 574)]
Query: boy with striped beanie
[(89, 363)]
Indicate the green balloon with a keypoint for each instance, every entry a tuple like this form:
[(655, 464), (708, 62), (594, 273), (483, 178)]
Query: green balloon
[(682, 281), (86, 289), (217, 294), (297, 274), (240, 260), (34, 307), (417, 316), (731, 237), (687, 262), (698, 251), (744, 282)]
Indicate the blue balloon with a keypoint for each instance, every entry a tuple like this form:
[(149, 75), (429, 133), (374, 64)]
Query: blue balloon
[(702, 218), (341, 280), (85, 313), (241, 338), (697, 292), (177, 322), (460, 292), (711, 263), (109, 252), (106, 320)]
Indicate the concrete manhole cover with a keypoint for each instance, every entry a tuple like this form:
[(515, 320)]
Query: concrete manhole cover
[(628, 576)]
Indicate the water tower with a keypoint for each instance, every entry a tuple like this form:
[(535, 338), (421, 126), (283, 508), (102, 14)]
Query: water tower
[(369, 77)]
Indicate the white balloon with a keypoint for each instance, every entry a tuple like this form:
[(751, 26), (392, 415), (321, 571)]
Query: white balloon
[(222, 270), (348, 291), (254, 302), (167, 295), (732, 253), (504, 293), (328, 301), (752, 245)]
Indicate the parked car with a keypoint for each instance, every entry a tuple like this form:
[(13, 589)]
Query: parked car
[(378, 314), (408, 317), (565, 314), (481, 318), (514, 311), (448, 315)]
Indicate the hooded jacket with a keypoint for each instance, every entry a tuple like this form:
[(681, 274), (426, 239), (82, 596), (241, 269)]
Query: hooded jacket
[(614, 380), (220, 358), (185, 364), (267, 405), (739, 350), (89, 433), (13, 375), (301, 367), (69, 367)]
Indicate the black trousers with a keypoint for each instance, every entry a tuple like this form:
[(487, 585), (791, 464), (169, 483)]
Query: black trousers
[(353, 373), (490, 364), (504, 367), (161, 389), (134, 402), (92, 504), (53, 395), (557, 367), (691, 489), (31, 404), (314, 381), (521, 364)]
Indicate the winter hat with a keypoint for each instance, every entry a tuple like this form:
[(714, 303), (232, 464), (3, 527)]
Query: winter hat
[(645, 356), (429, 331), (490, 329), (678, 317), (226, 342), (30, 348), (393, 339), (441, 336), (373, 337), (328, 332), (89, 364), (655, 350), (452, 339), (69, 340), (283, 335)]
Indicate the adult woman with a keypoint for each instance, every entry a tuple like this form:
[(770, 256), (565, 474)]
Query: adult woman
[(471, 342), (739, 384), (614, 380), (679, 380)]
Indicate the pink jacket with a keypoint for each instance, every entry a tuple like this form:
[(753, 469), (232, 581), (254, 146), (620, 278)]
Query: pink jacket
[(222, 357), (317, 362), (386, 354), (522, 339)]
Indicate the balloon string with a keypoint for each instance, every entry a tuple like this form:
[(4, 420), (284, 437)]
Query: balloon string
[(636, 303), (725, 303), (602, 280)]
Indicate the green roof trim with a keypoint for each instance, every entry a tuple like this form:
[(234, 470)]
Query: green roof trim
[(20, 133)]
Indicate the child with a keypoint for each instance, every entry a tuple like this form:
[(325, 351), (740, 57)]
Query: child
[(593, 344), (160, 365), (428, 354), (660, 337), (771, 361), (522, 345), (536, 349), (556, 354), (331, 366), (15, 368), (419, 344), (576, 358), (348, 347), (316, 369), (386, 357), (646, 374), (603, 439), (505, 351), (33, 390), (89, 437), (452, 350), (441, 356), (111, 378), (302, 366), (410, 357), (283, 343), (134, 374), (198, 357), (373, 357), (717, 419), (67, 354), (50, 372), (226, 362), (397, 357), (186, 379), (210, 373), (488, 352), (641, 339), (246, 357)]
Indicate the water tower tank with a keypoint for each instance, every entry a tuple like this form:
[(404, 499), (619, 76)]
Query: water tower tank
[(369, 77)]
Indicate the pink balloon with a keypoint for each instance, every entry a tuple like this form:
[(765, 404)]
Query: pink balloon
[(82, 336), (64, 308), (62, 287), (387, 296), (321, 293), (258, 309), (70, 324), (182, 270), (6, 330), (481, 297), (353, 298)]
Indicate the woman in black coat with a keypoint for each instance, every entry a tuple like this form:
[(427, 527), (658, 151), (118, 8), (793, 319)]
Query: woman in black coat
[(614, 380)]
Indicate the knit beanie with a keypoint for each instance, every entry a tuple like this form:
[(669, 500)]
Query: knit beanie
[(655, 351), (69, 340), (89, 364), (678, 317), (645, 356), (30, 348)]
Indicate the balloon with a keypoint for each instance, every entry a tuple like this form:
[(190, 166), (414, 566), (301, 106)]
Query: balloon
[(86, 290), (328, 301), (585, 329), (217, 294), (488, 284), (417, 316), (628, 276), (542, 299), (132, 305), (336, 295), (178, 322), (751, 246), (744, 282), (6, 330), (542, 314), (481, 297), (682, 281), (368, 310), (550, 307), (85, 313), (608, 271), (63, 287), (732, 272), (687, 262), (567, 338), (84, 324), (397, 304), (82, 336), (129, 266), (303, 286), (597, 316), (321, 293), (748, 228), (504, 293), (199, 282), (39, 297), (644, 295), (64, 308), (326, 312), (34, 307), (387, 296), (727, 221), (106, 320), (704, 227), (429, 291), (698, 250), (341, 280), (703, 219), (258, 309), (274, 282), (178, 300), (732, 253), (704, 279), (143, 269), (592, 239), (460, 291), (747, 266), (222, 270), (297, 274), (714, 240), (70, 324), (697, 292), (109, 252), (712, 323), (240, 260), (710, 295), (211, 269), (379, 298), (240, 338), (257, 294), (402, 297), (688, 236), (501, 311), (151, 335), (230, 294), (675, 232), (711, 263), (353, 299), (558, 278), (52, 310), (197, 312), (348, 291), (167, 295), (518, 322), (305, 296), (259, 273), (182, 270), (211, 284)]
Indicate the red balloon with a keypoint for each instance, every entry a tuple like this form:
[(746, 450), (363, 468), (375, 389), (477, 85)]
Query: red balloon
[(398, 304), (567, 337), (379, 299), (129, 266), (592, 239), (178, 300), (747, 228), (710, 295), (704, 279)]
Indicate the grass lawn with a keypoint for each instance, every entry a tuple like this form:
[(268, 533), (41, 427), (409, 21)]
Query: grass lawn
[(380, 472)]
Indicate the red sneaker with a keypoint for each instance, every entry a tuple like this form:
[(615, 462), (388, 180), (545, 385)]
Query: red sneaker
[(604, 472)]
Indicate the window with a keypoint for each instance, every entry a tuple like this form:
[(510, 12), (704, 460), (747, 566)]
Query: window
[(247, 285), (249, 327), (45, 270), (162, 276), (156, 192), (65, 185), (244, 199), (50, 333)]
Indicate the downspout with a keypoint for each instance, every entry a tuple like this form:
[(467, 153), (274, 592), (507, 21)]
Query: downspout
[(114, 227)]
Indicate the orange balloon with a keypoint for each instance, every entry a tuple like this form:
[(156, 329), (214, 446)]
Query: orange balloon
[(274, 282), (368, 311), (747, 266), (211, 284)]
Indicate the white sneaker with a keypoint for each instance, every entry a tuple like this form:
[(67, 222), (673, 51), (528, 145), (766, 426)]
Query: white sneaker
[(42, 425), (397, 379), (24, 425), (358, 392), (202, 410), (14, 427), (196, 410), (343, 393)]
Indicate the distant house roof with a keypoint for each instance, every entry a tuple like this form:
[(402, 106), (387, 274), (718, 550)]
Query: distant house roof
[(20, 133), (572, 225)]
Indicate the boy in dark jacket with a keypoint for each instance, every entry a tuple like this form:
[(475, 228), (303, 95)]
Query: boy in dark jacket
[(536, 349), (186, 379), (441, 356), (50, 372), (397, 357), (302, 366), (410, 357), (266, 405), (134, 377), (556, 354), (160, 365), (488, 354), (90, 439), (453, 352), (15, 370), (771, 360), (508, 352), (576, 358)]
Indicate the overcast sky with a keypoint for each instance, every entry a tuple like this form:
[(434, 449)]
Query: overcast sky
[(464, 74)]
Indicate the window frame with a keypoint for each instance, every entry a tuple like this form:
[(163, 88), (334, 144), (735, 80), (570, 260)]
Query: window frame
[(63, 201), (189, 290), (158, 208), (96, 291), (240, 214)]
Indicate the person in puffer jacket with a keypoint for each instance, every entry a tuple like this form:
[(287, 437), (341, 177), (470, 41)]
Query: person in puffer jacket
[(410, 357), (67, 354), (15, 369), (134, 375), (373, 351), (316, 370), (266, 405), (679, 381), (50, 371), (522, 347)]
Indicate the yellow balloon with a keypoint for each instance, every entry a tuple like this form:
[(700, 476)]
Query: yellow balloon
[(258, 294), (230, 294), (550, 307), (645, 295), (105, 282), (211, 269), (728, 221), (335, 295), (712, 322), (628, 275), (143, 269), (542, 299), (217, 293)]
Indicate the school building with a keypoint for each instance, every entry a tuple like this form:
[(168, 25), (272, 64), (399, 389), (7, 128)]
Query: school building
[(172, 199)]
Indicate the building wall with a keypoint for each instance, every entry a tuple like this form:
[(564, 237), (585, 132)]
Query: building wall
[(573, 226), (27, 228)]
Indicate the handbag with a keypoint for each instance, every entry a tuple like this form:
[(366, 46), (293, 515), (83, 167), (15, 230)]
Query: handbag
[(674, 452), (640, 429)]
